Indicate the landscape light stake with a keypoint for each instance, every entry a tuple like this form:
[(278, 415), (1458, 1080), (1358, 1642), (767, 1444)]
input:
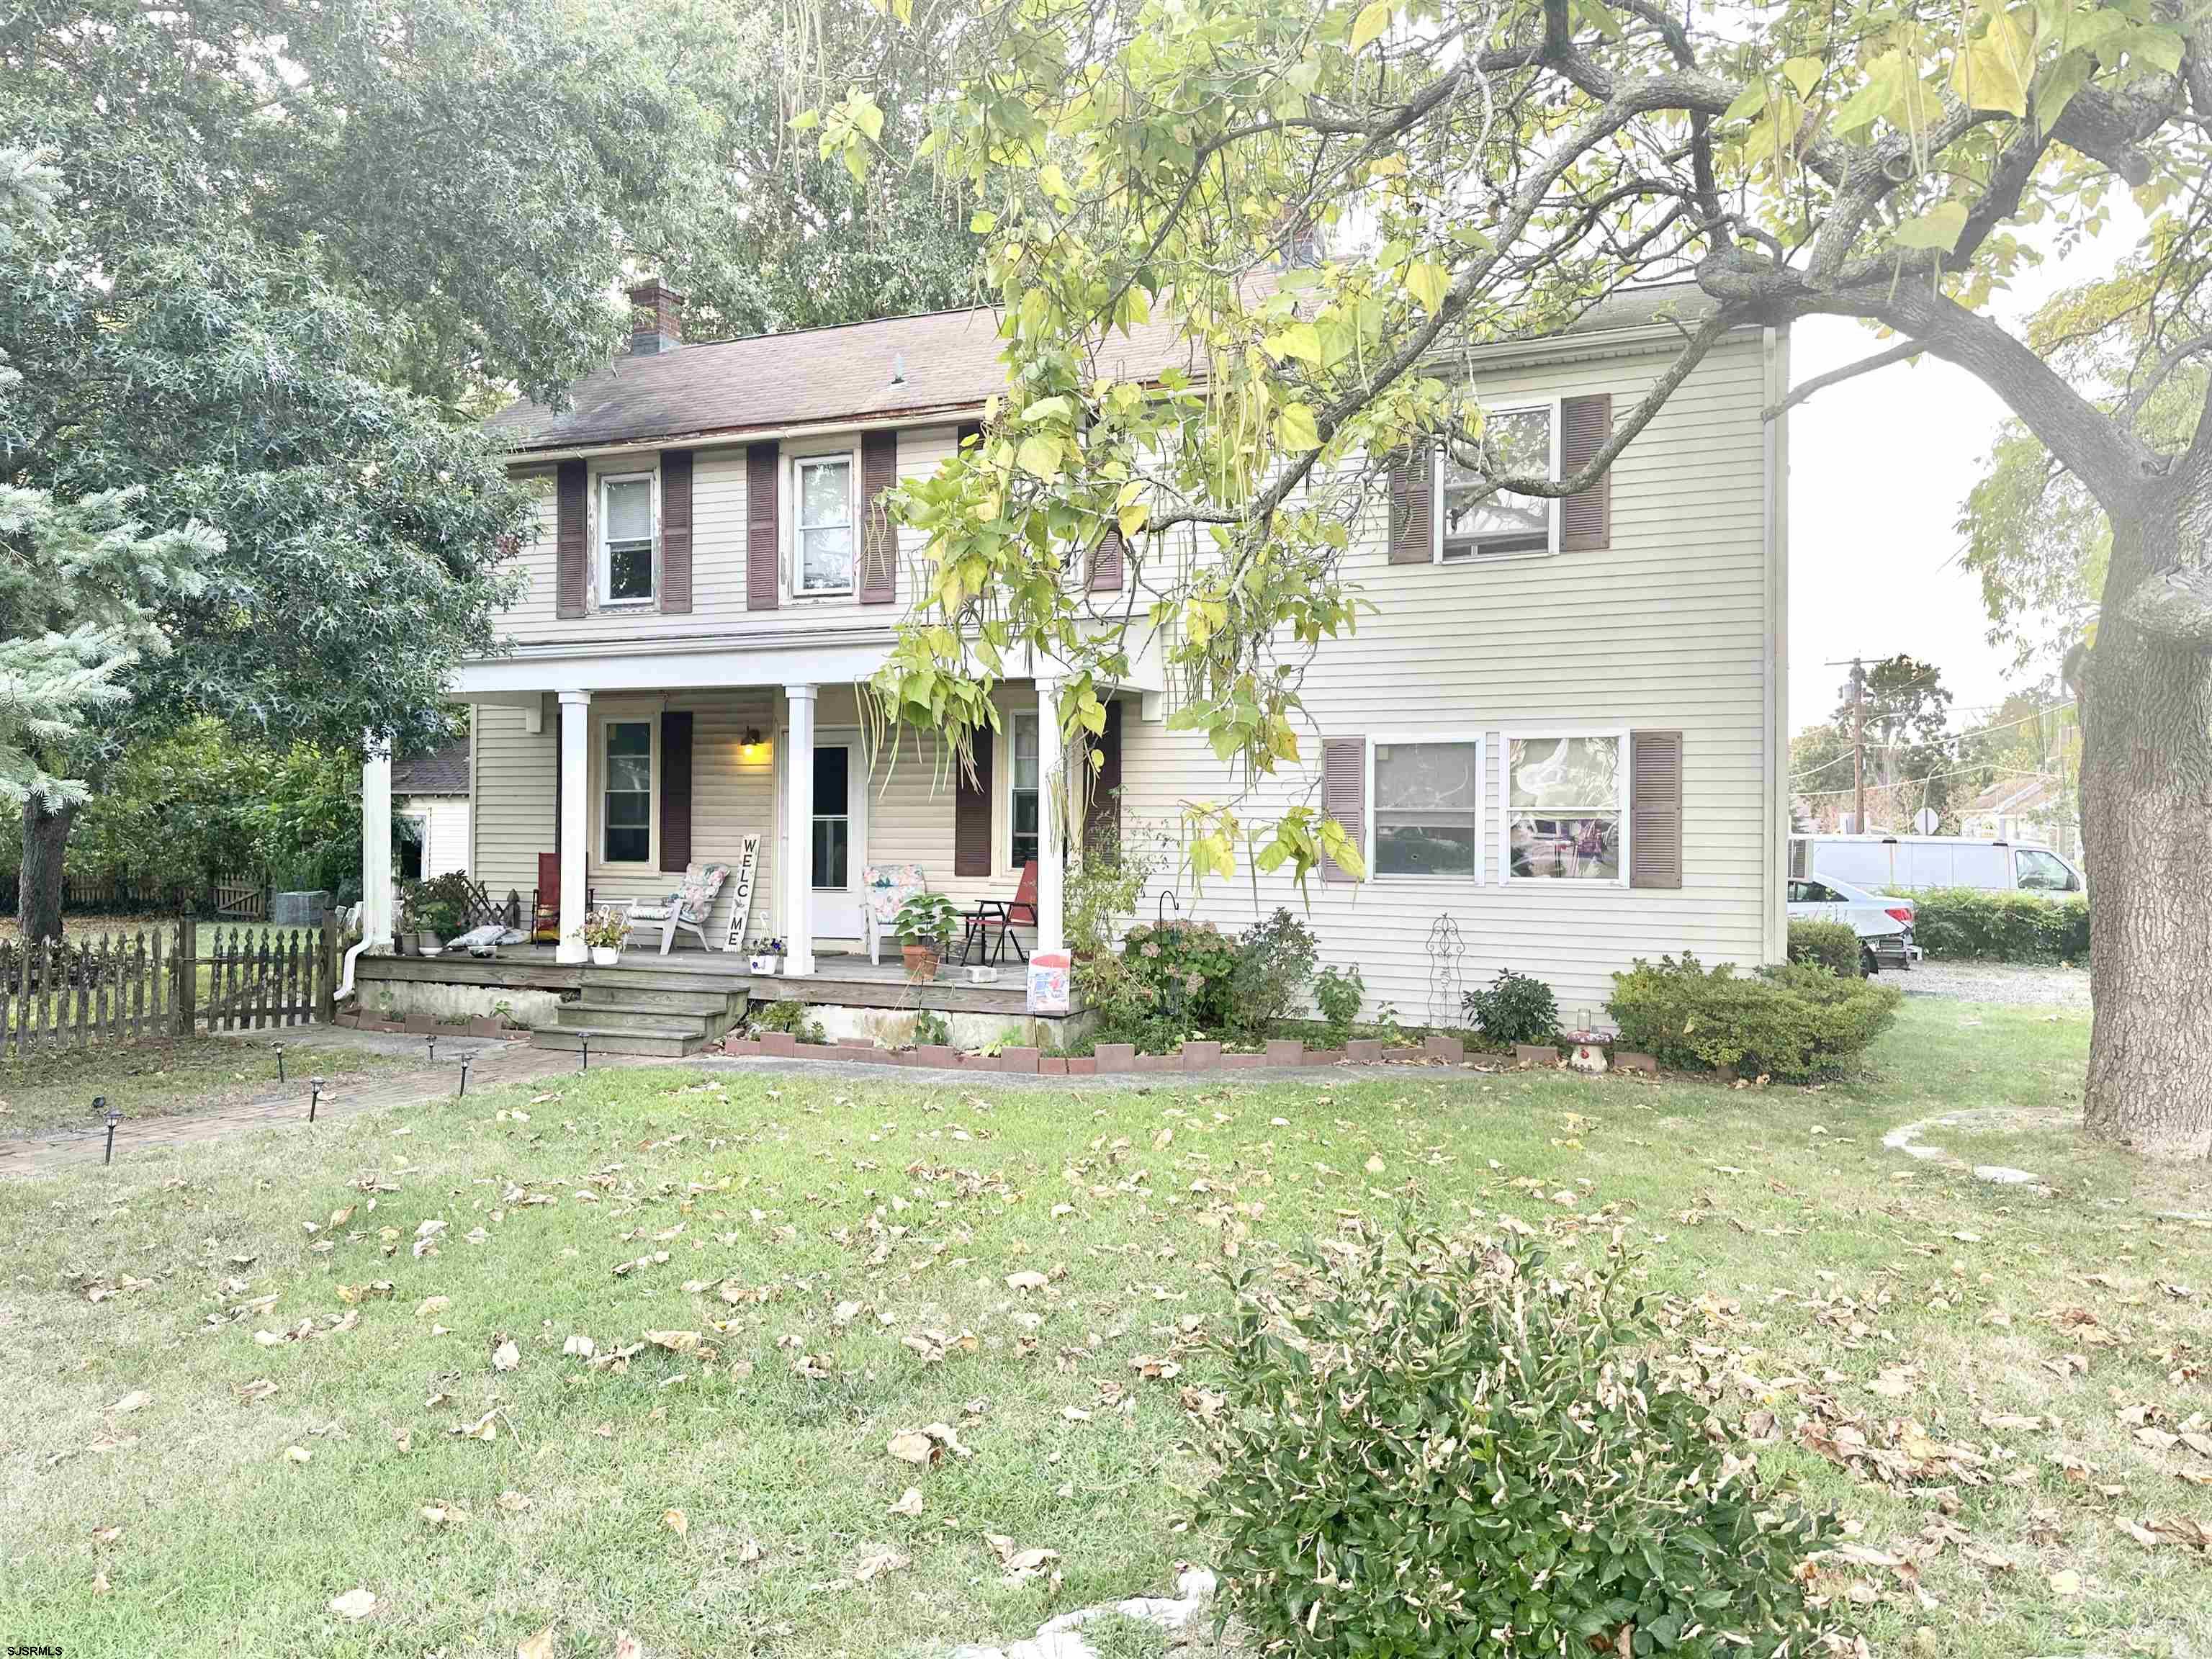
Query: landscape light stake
[(584, 1041), (113, 1116), (463, 1090), (314, 1096), (280, 1062), (431, 1040)]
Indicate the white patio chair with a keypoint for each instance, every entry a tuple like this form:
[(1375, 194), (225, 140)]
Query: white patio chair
[(687, 908), (887, 887)]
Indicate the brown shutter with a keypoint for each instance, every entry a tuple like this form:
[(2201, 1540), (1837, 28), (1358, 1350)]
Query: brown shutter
[(1655, 809), (1102, 820), (879, 538), (1585, 426), (1107, 560), (971, 813), (764, 528), (1344, 795), (571, 522), (676, 532), (675, 788), (1413, 506)]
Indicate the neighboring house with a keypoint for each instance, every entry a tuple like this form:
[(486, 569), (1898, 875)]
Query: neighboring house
[(2037, 811), (1561, 726), (432, 791)]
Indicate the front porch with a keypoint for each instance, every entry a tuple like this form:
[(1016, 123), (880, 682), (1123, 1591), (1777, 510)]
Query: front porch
[(610, 795), (649, 1003)]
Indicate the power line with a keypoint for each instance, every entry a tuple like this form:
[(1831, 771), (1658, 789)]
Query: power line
[(1933, 743), (1907, 783)]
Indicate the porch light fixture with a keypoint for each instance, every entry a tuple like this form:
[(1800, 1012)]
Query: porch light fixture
[(752, 746)]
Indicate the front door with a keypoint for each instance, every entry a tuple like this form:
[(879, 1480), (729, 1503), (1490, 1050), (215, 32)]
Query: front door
[(839, 839)]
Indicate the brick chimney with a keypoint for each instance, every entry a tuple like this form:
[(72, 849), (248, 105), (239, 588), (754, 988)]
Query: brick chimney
[(656, 318)]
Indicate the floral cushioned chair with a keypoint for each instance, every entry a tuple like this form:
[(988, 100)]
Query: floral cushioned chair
[(687, 906), (888, 886)]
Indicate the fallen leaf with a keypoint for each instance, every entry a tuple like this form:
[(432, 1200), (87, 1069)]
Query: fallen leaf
[(628, 1646), (354, 1604), (677, 1522), (674, 1341), (131, 1402), (2066, 1582), (506, 1356), (539, 1646), (875, 1566), (484, 1428), (297, 1454), (912, 1446), (512, 1501), (909, 1502), (1029, 1279)]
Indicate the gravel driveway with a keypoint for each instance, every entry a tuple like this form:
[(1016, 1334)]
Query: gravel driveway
[(2032, 985)]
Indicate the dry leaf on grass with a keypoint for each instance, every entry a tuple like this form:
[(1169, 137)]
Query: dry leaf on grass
[(505, 1357), (539, 1646), (297, 1454), (677, 1522), (909, 1502), (876, 1565), (132, 1401), (512, 1501), (674, 1341), (484, 1428), (1029, 1279), (628, 1646), (354, 1604)]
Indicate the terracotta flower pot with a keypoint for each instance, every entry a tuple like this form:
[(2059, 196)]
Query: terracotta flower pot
[(920, 961)]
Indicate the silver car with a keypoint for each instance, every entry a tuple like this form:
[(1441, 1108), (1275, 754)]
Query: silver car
[(1882, 922)]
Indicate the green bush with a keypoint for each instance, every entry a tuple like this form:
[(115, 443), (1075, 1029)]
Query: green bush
[(1969, 921), (1429, 1449), (1190, 966), (786, 1014), (1831, 943), (1338, 993), (1794, 1022), (1274, 963), (1517, 1008)]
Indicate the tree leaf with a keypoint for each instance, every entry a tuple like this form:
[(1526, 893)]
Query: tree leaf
[(1295, 429), (1938, 227), (1373, 19)]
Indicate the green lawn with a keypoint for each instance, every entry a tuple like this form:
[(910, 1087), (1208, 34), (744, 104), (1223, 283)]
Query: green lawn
[(841, 1250), (54, 1087)]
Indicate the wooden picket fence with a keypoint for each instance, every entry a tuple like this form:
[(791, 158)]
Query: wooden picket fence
[(120, 987)]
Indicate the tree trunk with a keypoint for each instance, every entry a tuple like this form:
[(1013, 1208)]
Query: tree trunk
[(38, 883), (2146, 840)]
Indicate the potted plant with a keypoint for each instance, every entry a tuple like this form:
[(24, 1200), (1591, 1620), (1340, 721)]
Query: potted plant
[(926, 923), (767, 956), (603, 931)]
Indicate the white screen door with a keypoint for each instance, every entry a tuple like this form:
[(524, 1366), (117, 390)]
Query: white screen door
[(837, 838)]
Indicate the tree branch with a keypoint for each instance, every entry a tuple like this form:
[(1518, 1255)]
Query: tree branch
[(1896, 353), (2172, 360)]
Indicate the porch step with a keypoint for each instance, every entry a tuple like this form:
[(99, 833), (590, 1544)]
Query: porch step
[(592, 1016), (605, 1041), (654, 1010)]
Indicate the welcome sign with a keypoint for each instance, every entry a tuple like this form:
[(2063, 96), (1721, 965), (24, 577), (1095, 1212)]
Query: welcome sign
[(741, 893)]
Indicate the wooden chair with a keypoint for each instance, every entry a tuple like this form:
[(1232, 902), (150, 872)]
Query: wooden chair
[(687, 908), (1004, 915), (545, 902)]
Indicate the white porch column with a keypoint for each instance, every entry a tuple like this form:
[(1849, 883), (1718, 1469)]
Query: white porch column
[(1056, 793), (799, 833), (575, 847), (376, 918)]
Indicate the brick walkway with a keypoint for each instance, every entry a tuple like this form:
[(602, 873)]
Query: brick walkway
[(491, 1064)]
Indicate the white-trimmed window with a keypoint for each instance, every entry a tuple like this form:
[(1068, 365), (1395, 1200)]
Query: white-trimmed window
[(1025, 797), (822, 524), (1470, 525), (1426, 818), (626, 792), (1566, 806), (626, 539)]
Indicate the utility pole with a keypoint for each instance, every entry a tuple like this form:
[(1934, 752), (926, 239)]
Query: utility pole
[(1858, 747)]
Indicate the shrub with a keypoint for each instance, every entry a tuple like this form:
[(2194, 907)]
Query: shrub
[(1967, 921), (1433, 1450), (1189, 965), (1517, 1008), (1831, 943), (930, 1029), (1274, 962), (1338, 993), (787, 1014), (1794, 1022), (1106, 885)]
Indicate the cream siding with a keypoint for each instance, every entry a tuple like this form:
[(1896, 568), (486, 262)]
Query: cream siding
[(1666, 628)]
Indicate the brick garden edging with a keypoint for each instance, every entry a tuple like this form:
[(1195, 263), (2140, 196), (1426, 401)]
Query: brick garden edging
[(1117, 1059)]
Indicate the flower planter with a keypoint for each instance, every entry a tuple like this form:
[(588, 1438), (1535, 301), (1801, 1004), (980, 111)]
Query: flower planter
[(605, 956), (1364, 1051), (920, 962), (768, 967)]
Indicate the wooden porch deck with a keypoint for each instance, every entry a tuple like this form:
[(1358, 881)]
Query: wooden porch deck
[(851, 981)]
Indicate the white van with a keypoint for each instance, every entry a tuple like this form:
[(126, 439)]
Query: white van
[(1887, 863)]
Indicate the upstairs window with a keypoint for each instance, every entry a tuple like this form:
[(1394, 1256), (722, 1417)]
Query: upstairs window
[(822, 560), (626, 539), (1526, 442)]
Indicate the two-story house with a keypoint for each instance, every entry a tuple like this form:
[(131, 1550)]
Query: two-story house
[(1561, 727)]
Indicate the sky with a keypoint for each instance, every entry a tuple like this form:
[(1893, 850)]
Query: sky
[(1879, 467)]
